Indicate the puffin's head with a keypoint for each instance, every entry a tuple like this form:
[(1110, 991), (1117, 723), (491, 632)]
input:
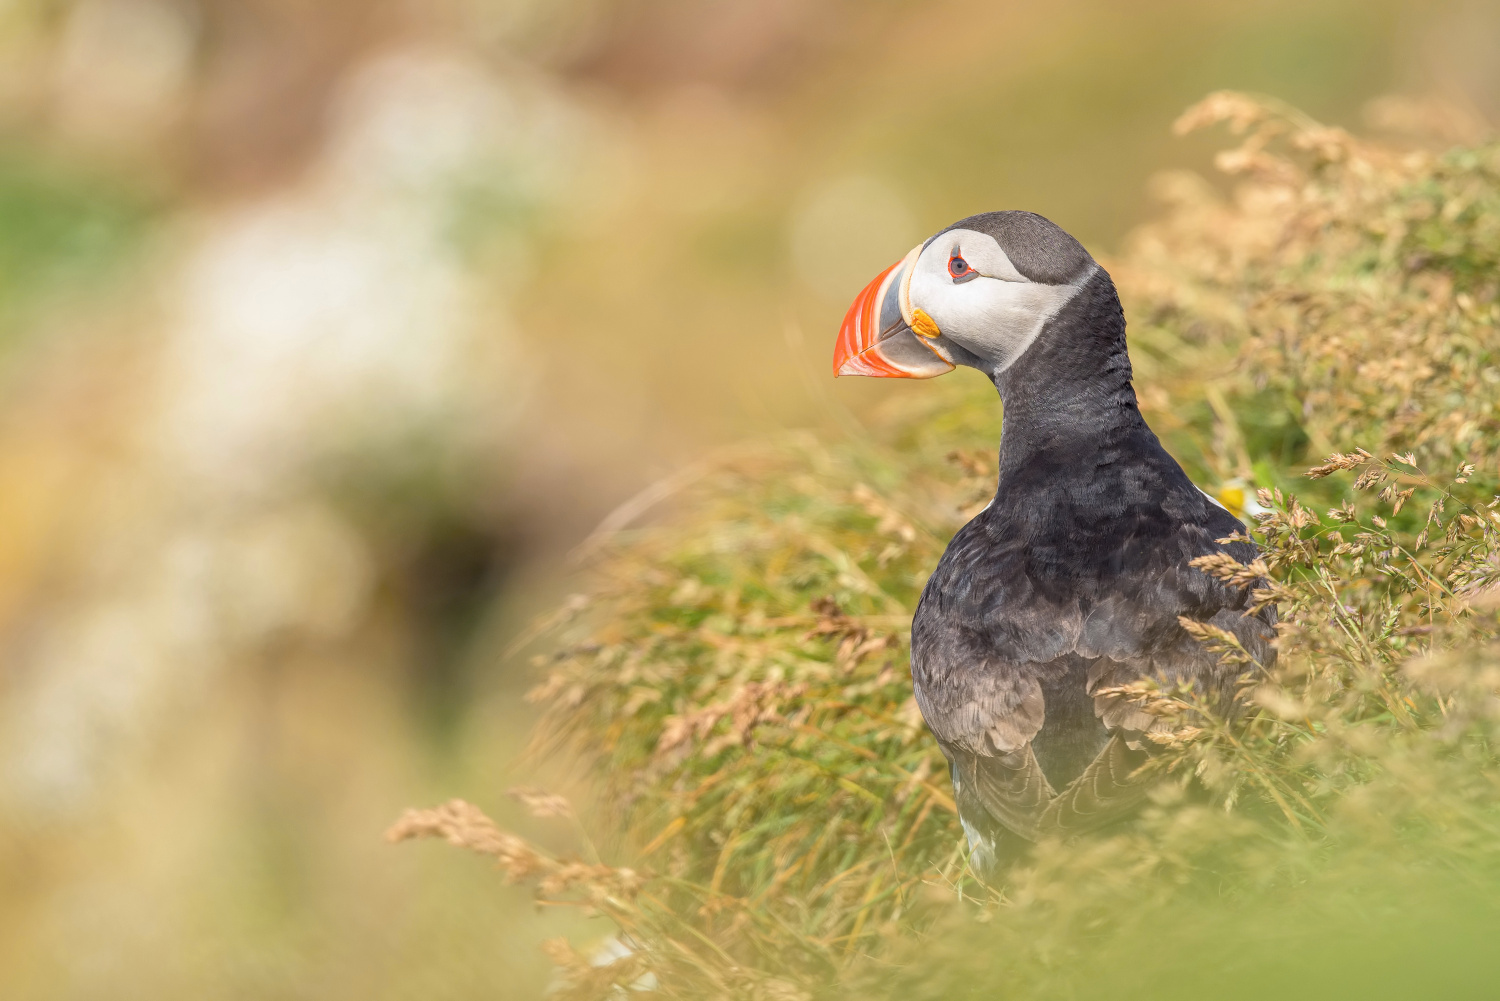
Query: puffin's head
[(977, 294)]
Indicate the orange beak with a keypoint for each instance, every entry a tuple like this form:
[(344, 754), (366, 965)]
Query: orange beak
[(876, 338)]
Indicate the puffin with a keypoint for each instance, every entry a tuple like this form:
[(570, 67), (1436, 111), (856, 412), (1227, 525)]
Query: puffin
[(1072, 582)]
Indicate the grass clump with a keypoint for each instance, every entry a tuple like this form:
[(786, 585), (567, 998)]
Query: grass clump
[(738, 677)]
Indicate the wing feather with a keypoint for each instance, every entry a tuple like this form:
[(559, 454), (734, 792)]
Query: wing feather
[(1106, 791), (1011, 787)]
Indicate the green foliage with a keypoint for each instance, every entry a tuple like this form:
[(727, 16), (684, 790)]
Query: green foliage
[(738, 677), (59, 227)]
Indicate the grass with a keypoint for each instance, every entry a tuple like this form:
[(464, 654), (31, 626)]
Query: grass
[(736, 678)]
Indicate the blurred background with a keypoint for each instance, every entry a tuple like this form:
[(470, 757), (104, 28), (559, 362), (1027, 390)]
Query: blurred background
[(330, 328)]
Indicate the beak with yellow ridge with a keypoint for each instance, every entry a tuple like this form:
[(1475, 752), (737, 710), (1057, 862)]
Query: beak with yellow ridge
[(884, 336)]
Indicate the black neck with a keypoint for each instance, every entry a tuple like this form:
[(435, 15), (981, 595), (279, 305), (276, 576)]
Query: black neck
[(1069, 394)]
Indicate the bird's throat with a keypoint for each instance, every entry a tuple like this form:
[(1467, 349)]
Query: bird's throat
[(1070, 394)]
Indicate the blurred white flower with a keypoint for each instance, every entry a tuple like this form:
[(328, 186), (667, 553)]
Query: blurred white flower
[(344, 311)]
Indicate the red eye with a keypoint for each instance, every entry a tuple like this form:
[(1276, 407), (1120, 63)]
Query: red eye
[(958, 267)]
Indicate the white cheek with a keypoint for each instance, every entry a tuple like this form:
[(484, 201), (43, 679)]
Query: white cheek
[(996, 320)]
